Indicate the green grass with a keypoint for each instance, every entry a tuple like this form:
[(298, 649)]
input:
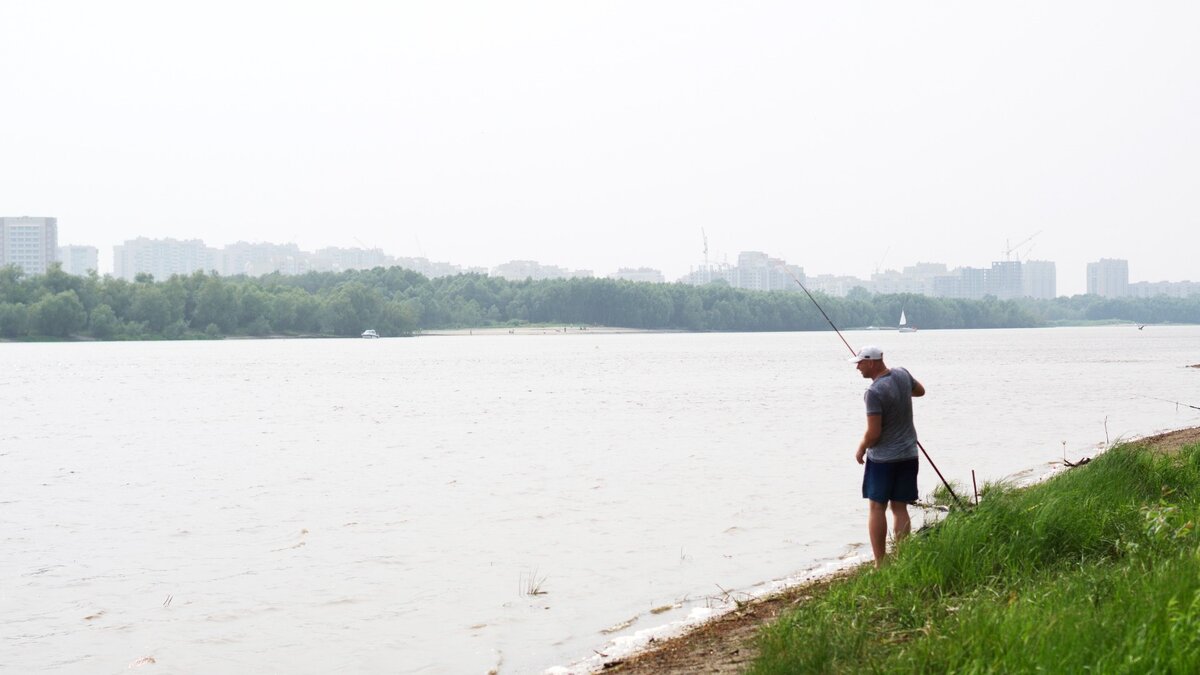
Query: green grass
[(1097, 570)]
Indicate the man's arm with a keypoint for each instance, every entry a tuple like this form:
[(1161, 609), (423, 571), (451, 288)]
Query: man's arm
[(871, 437), (918, 389)]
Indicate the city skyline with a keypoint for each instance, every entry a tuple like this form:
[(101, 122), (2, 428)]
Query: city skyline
[(601, 136), (832, 279), (1077, 282), (754, 270)]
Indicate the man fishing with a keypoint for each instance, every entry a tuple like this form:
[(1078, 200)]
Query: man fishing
[(888, 448)]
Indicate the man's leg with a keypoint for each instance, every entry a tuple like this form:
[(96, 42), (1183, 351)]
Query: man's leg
[(906, 492), (877, 529), (901, 525)]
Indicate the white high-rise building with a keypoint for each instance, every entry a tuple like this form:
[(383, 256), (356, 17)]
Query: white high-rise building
[(30, 243), (334, 259), (711, 272), (162, 258), (642, 274), (520, 270), (1039, 279), (432, 269), (255, 260), (1171, 289), (965, 283), (1108, 278), (79, 259), (916, 279), (1004, 279), (755, 271), (836, 285)]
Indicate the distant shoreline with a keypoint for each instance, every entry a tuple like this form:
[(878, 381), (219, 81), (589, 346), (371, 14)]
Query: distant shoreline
[(530, 330), (544, 330)]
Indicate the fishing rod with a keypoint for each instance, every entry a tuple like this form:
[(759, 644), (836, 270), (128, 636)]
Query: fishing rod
[(854, 353)]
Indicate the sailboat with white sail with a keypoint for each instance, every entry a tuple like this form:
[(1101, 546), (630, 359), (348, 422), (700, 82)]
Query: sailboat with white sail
[(904, 327)]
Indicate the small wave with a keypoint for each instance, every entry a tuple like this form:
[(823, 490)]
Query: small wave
[(303, 534), (617, 628)]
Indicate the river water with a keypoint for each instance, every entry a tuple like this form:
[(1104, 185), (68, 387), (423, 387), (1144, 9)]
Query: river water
[(387, 506)]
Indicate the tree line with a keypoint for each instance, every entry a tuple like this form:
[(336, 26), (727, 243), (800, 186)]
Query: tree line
[(396, 301)]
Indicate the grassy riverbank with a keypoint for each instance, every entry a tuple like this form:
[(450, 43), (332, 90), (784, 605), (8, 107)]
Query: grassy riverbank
[(1097, 569)]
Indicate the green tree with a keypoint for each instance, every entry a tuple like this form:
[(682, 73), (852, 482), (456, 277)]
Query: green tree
[(89, 290), (691, 313), (191, 285), (118, 294), (308, 313), (284, 308), (258, 326), (398, 318), (351, 309), (152, 306), (175, 330), (253, 304), (59, 315), (14, 319), (104, 323), (12, 288), (217, 303), (178, 294), (338, 316), (55, 280)]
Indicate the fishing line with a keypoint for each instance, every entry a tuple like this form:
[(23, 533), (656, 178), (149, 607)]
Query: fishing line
[(854, 353), (1167, 400), (822, 311)]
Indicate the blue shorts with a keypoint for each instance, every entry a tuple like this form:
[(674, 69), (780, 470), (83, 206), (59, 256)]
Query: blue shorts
[(885, 482)]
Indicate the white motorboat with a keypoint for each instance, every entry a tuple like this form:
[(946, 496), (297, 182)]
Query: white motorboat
[(370, 333)]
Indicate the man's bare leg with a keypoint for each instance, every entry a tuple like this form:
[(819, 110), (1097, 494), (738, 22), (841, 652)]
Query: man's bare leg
[(901, 525), (877, 529)]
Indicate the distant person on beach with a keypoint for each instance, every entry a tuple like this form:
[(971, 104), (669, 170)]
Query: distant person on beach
[(888, 448)]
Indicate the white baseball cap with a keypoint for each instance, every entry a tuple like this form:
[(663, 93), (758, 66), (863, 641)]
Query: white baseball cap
[(868, 353)]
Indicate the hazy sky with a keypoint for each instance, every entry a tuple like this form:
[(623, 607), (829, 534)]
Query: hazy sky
[(837, 135)]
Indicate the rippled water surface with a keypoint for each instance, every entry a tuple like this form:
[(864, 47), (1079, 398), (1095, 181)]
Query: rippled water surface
[(386, 506)]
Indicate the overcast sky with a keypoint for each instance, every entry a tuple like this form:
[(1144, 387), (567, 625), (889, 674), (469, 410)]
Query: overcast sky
[(840, 136)]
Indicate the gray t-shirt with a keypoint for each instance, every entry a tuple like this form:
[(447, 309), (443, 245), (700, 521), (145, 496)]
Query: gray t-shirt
[(891, 396)]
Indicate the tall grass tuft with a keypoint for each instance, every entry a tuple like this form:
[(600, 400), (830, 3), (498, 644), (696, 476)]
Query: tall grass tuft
[(1097, 569)]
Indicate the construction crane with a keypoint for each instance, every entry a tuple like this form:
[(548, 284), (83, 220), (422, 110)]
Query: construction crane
[(879, 263), (1008, 250)]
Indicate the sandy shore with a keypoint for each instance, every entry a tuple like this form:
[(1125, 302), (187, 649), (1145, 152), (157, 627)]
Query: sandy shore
[(726, 644)]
